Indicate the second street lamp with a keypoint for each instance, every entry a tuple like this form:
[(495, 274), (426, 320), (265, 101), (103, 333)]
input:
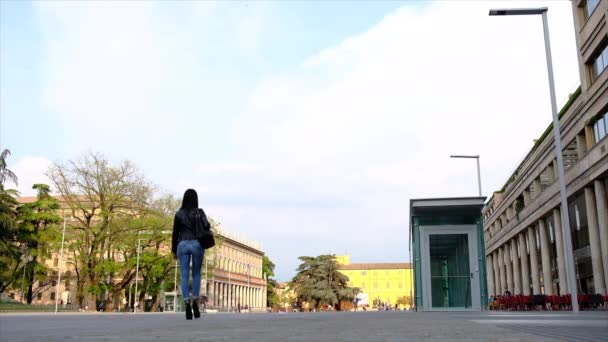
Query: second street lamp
[(568, 253), (478, 169)]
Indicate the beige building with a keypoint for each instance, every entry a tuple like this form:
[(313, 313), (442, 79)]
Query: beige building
[(237, 278), (523, 222)]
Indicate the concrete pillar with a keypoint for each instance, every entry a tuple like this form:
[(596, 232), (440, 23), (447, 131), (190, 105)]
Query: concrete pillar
[(594, 241), (537, 187), (525, 269), (602, 220), (559, 246), (224, 295), (490, 276), (527, 198), (497, 286), (581, 146), (516, 271), (551, 172), (533, 261), (508, 265), (503, 276), (545, 257)]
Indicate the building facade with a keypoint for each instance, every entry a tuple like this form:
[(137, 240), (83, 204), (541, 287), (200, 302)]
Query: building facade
[(523, 221), (389, 283), (237, 279)]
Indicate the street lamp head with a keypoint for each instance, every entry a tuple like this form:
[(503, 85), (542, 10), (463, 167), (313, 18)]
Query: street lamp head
[(465, 156), (518, 11)]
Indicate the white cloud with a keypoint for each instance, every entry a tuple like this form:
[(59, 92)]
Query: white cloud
[(325, 156), (30, 170), (375, 118)]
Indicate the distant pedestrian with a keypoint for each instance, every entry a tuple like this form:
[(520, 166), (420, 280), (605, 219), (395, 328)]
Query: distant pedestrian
[(186, 247)]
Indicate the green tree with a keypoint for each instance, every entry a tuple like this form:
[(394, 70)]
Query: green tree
[(36, 230), (268, 269), (5, 172), (101, 198), (319, 282), (9, 246)]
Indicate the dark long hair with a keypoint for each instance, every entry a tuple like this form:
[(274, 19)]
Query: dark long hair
[(190, 200)]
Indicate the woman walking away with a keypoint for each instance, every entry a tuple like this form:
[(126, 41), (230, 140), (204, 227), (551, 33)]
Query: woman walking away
[(186, 248)]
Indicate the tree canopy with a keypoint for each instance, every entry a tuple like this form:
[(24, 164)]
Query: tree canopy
[(319, 282)]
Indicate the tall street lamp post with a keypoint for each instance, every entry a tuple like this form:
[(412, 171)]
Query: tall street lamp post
[(137, 275), (26, 259), (558, 146), (59, 272), (175, 289), (478, 169)]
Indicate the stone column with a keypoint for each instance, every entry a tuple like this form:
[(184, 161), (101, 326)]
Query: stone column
[(501, 263), (490, 275), (525, 269), (508, 265), (533, 261), (537, 187), (526, 197), (594, 242), (559, 246), (516, 271), (545, 257), (581, 146), (224, 295), (602, 217), (497, 286)]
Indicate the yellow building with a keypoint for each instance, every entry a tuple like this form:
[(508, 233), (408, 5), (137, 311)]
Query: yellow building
[(389, 283)]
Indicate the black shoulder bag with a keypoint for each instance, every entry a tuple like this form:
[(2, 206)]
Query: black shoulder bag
[(202, 229)]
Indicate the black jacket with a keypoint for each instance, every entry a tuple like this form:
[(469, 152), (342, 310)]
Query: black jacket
[(183, 231)]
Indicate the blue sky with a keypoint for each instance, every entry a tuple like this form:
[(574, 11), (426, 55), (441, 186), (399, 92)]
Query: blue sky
[(306, 126)]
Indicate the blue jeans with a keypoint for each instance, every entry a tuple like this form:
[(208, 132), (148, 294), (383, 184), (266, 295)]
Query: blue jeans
[(186, 251)]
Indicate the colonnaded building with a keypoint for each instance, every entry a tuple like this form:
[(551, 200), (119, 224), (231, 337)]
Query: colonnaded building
[(237, 279), (235, 269), (523, 225)]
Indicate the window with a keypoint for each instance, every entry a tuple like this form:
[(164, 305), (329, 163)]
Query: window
[(363, 273), (40, 284), (52, 295), (600, 63), (56, 262), (67, 283), (600, 127), (39, 296), (590, 7), (363, 285), (54, 283), (375, 285), (400, 285)]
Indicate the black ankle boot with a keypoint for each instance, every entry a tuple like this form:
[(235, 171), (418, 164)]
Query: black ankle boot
[(197, 313), (188, 310)]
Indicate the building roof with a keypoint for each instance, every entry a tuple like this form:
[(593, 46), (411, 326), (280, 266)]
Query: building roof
[(377, 266)]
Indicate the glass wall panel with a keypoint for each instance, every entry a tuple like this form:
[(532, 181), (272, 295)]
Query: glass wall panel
[(450, 270)]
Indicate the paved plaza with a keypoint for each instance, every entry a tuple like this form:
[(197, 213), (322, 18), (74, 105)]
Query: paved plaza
[(330, 326)]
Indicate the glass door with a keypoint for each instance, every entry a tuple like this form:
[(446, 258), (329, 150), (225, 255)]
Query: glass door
[(450, 271), (450, 278)]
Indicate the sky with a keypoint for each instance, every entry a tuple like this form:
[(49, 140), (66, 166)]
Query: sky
[(306, 126)]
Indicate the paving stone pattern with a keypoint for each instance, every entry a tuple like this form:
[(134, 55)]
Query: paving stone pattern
[(331, 326)]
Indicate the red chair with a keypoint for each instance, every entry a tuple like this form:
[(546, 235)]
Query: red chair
[(583, 301), (565, 302)]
